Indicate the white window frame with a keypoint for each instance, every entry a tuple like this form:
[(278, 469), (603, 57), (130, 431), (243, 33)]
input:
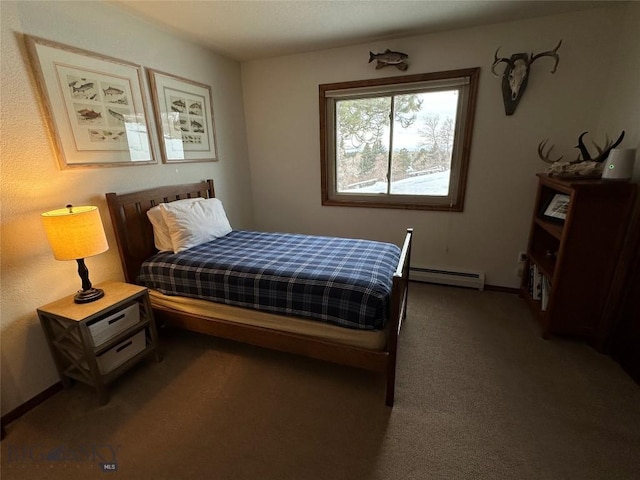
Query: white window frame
[(465, 81)]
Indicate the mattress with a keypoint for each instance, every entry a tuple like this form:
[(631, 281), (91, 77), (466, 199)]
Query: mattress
[(367, 339), (343, 282)]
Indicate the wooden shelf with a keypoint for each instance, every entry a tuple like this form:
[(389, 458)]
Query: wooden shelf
[(545, 263), (578, 257), (553, 229)]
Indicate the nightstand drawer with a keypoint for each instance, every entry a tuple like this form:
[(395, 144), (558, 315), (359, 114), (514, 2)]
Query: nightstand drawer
[(122, 352), (108, 327)]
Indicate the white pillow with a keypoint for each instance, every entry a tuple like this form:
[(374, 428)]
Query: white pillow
[(161, 236), (191, 224)]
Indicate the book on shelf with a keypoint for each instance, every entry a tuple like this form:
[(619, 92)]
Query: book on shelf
[(536, 283)]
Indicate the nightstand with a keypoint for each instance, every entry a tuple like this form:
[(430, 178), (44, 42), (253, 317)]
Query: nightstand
[(97, 342)]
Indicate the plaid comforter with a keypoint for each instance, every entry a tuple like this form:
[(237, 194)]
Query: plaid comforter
[(346, 282)]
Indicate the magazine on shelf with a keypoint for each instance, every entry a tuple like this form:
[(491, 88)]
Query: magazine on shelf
[(546, 290)]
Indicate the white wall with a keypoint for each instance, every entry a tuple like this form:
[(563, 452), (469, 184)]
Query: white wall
[(281, 105), (621, 103), (32, 182)]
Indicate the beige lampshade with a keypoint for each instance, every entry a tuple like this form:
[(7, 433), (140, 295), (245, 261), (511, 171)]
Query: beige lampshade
[(75, 232)]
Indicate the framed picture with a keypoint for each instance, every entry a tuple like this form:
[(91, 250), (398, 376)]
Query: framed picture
[(95, 106), (184, 115), (557, 207)]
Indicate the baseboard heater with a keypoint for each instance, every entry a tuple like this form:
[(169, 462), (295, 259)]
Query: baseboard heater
[(445, 276)]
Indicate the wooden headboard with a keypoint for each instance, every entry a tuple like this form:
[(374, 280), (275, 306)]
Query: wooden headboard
[(134, 233)]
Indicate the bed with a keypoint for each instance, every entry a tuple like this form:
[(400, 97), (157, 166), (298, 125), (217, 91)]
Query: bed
[(373, 347)]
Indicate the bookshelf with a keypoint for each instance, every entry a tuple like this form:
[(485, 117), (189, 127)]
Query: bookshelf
[(575, 257)]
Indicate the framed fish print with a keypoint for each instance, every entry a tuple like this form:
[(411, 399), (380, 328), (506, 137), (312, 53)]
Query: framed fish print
[(184, 115), (95, 106)]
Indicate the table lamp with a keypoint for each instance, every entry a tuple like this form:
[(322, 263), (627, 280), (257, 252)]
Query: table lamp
[(75, 233)]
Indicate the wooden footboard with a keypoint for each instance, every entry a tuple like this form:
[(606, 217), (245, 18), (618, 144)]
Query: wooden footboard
[(399, 299), (134, 236)]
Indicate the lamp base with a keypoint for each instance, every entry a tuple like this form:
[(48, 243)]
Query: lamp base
[(88, 296)]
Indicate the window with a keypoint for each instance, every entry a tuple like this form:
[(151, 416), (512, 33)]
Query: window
[(400, 142)]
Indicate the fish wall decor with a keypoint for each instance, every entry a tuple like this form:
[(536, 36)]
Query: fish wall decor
[(389, 58)]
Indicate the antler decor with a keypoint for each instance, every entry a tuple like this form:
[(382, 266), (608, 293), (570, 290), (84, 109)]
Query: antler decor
[(584, 164), (516, 74), (603, 152), (545, 156)]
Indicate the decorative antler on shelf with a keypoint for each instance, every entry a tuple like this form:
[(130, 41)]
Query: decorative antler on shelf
[(545, 156), (584, 156), (603, 152)]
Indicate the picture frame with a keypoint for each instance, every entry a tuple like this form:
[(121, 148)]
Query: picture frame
[(184, 115), (556, 208), (94, 104)]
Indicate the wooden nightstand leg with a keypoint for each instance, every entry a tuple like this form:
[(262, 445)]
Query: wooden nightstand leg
[(50, 336), (92, 363)]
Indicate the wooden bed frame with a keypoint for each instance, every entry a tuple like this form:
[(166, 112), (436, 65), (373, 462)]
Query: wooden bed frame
[(134, 236)]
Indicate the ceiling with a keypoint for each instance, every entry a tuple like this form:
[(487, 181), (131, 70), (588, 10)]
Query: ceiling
[(250, 29)]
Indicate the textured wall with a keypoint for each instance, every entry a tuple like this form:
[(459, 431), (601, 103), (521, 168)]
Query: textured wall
[(285, 149), (32, 183)]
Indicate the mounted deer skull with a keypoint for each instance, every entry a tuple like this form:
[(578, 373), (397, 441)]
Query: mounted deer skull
[(516, 75)]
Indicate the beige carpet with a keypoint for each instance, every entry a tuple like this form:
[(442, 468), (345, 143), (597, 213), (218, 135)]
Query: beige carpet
[(479, 396)]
